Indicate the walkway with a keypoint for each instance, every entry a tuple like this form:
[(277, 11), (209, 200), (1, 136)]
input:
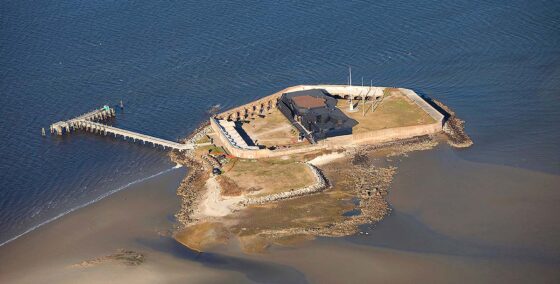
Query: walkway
[(89, 122)]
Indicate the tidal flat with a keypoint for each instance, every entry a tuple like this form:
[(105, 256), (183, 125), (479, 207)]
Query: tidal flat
[(431, 235)]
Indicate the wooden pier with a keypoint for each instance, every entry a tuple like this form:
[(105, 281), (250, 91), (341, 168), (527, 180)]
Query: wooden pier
[(62, 127), (91, 122)]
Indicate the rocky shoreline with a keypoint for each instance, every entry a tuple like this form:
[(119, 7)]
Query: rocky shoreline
[(453, 127), (198, 171), (190, 187)]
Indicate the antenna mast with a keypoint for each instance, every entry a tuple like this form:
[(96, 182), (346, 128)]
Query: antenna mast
[(363, 100), (350, 76), (351, 103), (373, 98)]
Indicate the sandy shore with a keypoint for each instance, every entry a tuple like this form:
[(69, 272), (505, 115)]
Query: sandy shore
[(327, 158), (138, 219), (214, 204)]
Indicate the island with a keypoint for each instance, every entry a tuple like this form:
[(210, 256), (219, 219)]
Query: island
[(304, 162)]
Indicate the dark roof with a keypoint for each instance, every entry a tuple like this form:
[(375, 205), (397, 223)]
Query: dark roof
[(314, 99), (317, 111), (312, 92)]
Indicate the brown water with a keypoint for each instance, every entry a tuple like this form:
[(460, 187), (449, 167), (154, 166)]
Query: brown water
[(453, 221)]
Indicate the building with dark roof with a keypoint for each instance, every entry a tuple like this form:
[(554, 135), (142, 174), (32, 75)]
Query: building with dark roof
[(314, 114)]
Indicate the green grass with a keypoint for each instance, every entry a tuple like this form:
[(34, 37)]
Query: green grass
[(204, 139), (215, 150)]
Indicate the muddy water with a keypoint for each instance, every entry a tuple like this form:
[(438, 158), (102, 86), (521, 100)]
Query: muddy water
[(452, 221), (504, 211)]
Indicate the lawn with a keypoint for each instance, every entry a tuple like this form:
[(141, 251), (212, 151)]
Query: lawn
[(396, 110), (268, 176), (272, 130)]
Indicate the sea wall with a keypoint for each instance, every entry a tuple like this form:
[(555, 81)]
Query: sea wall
[(430, 110)]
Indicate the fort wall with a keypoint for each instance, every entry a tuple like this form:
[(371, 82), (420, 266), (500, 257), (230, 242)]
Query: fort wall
[(430, 110), (371, 137), (382, 135), (260, 153)]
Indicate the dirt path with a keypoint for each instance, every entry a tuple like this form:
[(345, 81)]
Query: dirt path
[(325, 159)]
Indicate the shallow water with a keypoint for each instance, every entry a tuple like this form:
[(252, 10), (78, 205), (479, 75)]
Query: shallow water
[(496, 63), (138, 219), (472, 208)]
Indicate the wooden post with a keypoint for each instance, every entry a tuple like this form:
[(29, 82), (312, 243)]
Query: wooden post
[(364, 105)]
